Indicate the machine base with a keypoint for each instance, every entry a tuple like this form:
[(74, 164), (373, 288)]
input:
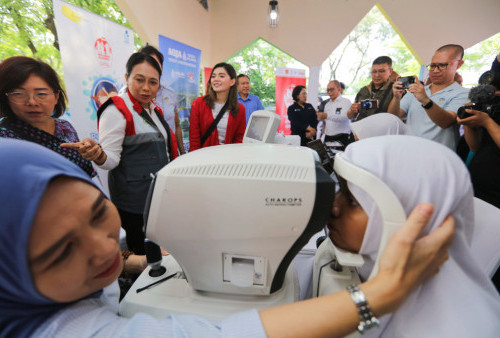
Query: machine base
[(176, 296)]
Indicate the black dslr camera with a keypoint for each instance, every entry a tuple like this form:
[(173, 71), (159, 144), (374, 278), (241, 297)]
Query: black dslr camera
[(406, 81), (369, 104), (483, 99)]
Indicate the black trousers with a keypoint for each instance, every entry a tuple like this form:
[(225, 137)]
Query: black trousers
[(133, 224)]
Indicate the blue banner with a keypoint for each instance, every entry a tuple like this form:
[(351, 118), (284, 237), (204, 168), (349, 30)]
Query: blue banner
[(181, 73)]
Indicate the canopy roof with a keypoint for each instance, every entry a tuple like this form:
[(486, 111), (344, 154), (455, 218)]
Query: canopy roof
[(309, 30)]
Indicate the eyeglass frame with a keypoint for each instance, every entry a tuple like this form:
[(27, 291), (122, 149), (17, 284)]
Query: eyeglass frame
[(28, 97), (440, 66)]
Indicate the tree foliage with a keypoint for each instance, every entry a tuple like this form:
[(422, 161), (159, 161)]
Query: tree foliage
[(27, 27), (258, 61), (374, 36), (478, 58)]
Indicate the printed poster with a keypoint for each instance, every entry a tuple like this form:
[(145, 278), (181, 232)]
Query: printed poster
[(286, 80), (181, 72)]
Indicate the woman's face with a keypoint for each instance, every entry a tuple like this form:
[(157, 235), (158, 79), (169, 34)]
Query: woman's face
[(348, 221), (33, 102), (73, 248), (221, 81), (302, 97), (143, 83)]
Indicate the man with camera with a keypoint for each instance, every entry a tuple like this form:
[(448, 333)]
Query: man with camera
[(432, 110), (376, 96), (482, 134)]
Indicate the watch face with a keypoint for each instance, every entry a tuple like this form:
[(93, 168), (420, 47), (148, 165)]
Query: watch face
[(358, 297)]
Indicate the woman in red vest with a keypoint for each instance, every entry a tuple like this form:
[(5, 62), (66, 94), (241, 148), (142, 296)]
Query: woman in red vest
[(217, 118), (135, 142)]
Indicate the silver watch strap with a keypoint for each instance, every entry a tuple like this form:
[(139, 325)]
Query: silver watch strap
[(367, 318)]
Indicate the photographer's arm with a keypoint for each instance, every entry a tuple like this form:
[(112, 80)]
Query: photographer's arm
[(442, 118), (406, 262), (353, 111), (472, 136), (473, 132), (394, 105)]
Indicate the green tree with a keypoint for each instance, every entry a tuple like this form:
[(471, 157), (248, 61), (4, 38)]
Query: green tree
[(355, 51), (478, 59), (258, 61), (374, 36), (27, 27)]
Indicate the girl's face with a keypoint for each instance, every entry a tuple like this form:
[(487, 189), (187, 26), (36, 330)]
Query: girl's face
[(73, 248), (302, 97), (221, 81), (348, 220), (143, 83), (34, 101)]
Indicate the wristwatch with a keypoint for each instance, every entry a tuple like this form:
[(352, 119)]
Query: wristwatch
[(367, 318), (428, 105)]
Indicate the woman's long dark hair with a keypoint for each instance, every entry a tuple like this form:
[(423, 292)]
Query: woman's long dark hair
[(232, 98), (15, 70)]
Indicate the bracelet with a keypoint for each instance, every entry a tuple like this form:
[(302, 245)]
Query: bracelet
[(367, 318)]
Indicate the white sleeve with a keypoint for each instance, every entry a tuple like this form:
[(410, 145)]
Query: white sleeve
[(111, 134), (96, 319), (405, 102)]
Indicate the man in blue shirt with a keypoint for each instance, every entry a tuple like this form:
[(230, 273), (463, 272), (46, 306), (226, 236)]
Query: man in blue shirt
[(251, 102), (432, 109)]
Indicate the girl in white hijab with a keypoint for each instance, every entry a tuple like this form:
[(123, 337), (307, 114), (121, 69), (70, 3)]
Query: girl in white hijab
[(461, 301), (378, 125)]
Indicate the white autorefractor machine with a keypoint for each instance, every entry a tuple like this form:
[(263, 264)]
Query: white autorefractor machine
[(334, 268), (262, 127), (232, 218)]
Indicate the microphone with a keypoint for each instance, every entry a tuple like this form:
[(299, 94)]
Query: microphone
[(482, 94), (154, 258)]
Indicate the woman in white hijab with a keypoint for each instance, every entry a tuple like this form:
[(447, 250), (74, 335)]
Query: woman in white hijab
[(378, 125), (461, 301)]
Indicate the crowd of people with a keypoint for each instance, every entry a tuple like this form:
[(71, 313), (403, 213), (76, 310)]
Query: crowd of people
[(61, 278)]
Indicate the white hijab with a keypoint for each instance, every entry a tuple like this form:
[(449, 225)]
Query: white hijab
[(378, 125), (461, 300)]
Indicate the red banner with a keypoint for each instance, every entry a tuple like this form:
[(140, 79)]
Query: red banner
[(207, 73), (286, 80)]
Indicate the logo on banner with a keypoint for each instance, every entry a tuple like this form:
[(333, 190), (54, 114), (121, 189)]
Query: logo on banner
[(103, 52), (126, 37), (287, 98), (103, 89), (100, 89)]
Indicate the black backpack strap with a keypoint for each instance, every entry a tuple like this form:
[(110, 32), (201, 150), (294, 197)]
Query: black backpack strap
[(214, 124)]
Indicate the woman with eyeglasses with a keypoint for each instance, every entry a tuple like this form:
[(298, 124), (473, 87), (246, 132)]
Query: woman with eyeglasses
[(31, 102)]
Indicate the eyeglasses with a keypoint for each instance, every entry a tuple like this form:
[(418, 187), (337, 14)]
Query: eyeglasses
[(24, 97), (440, 66), (330, 90)]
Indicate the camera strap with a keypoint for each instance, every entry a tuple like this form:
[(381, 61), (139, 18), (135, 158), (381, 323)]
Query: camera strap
[(384, 97), (214, 124)]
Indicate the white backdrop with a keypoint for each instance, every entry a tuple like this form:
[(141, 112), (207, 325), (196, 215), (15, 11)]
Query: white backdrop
[(94, 52)]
